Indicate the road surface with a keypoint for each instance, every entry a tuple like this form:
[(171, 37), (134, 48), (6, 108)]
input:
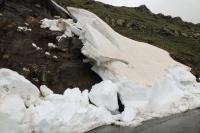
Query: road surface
[(188, 122)]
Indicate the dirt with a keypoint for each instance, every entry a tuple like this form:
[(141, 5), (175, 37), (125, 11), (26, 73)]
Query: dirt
[(18, 54)]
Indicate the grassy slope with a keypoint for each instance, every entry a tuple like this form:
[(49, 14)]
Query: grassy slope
[(148, 27)]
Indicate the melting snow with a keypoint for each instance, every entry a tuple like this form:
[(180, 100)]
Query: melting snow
[(148, 81)]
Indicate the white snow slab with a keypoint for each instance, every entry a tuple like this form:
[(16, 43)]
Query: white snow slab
[(119, 55), (13, 83), (12, 111), (150, 83), (104, 95)]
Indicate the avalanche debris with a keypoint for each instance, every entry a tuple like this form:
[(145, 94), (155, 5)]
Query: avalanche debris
[(148, 81)]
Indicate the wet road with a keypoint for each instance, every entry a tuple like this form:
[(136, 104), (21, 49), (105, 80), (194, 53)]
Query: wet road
[(188, 122)]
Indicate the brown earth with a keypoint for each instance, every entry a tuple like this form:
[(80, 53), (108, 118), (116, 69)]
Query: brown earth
[(18, 54)]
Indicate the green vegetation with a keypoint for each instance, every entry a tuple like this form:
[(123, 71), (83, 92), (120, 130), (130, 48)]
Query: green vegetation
[(180, 39)]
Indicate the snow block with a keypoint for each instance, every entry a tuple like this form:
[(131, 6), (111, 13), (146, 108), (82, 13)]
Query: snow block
[(13, 83), (104, 95)]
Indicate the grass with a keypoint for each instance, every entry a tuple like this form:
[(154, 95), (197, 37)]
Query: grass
[(147, 27)]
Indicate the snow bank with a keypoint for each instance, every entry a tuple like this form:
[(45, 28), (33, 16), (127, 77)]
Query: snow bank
[(23, 111), (148, 81), (70, 112), (12, 110), (13, 83), (105, 90)]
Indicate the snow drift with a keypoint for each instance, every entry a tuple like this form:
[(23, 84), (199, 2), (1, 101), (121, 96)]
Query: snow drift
[(148, 81)]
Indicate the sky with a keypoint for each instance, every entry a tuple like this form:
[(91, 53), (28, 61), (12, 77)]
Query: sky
[(188, 10)]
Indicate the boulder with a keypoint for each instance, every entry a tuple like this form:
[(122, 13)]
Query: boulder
[(184, 34), (120, 22)]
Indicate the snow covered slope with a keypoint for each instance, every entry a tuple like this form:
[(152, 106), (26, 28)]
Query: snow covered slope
[(119, 56), (148, 81)]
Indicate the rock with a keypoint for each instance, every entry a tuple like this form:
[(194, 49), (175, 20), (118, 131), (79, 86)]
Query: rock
[(166, 31), (196, 35), (120, 22), (6, 56), (107, 19), (184, 34), (176, 33), (178, 19), (143, 8), (113, 22), (2, 2), (26, 71), (129, 24)]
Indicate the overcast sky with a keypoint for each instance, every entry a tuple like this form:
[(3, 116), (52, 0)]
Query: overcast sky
[(188, 10)]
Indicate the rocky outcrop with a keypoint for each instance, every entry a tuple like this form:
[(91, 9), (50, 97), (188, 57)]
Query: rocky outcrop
[(28, 52)]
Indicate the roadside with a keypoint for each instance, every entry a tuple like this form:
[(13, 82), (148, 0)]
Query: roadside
[(188, 122)]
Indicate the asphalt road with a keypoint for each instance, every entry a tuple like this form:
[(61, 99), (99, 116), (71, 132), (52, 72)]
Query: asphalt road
[(188, 122)]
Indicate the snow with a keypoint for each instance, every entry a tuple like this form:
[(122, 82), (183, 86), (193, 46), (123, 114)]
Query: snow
[(47, 53), (148, 81), (67, 113), (128, 114), (45, 91), (72, 112), (35, 46), (129, 58), (12, 110), (51, 24), (49, 113), (66, 25), (23, 29), (51, 45), (13, 83), (105, 90), (55, 57)]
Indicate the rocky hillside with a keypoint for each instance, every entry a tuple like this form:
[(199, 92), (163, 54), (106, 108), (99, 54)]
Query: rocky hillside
[(35, 53), (181, 39)]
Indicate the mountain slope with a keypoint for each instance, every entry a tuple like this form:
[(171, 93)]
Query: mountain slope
[(180, 39), (27, 52)]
